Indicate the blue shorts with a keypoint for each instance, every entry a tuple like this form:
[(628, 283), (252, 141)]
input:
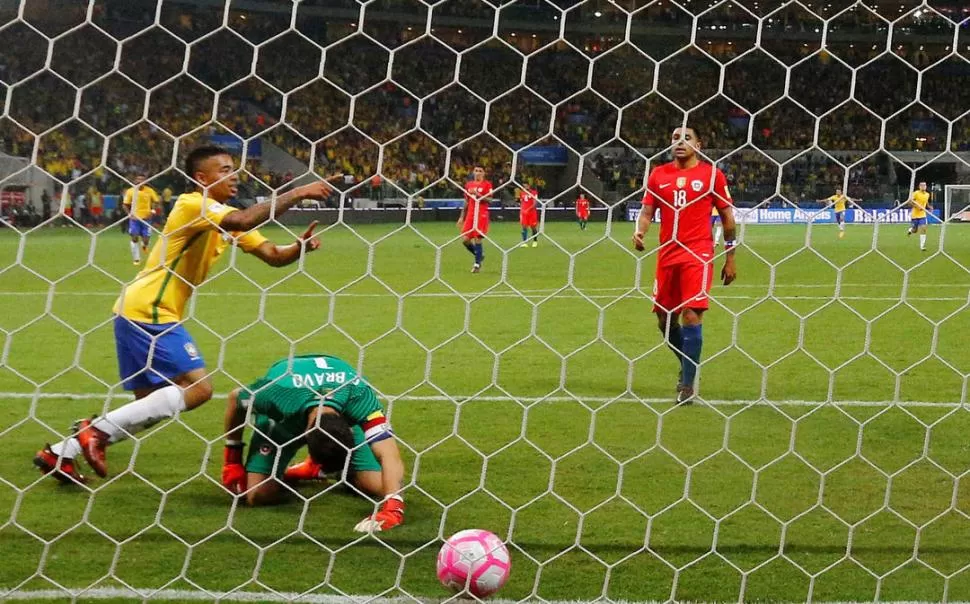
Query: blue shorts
[(141, 366), (918, 222), (840, 217), (715, 219), (139, 228)]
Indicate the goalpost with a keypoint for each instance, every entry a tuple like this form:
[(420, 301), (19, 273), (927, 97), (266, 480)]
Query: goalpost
[(824, 458), (957, 202)]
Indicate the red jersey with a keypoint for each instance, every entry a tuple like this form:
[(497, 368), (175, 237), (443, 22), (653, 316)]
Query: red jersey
[(476, 195), (686, 197), (582, 206), (527, 201)]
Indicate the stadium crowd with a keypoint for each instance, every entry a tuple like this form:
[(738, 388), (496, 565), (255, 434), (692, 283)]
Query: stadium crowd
[(314, 122)]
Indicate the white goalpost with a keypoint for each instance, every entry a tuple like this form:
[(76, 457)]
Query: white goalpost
[(957, 202)]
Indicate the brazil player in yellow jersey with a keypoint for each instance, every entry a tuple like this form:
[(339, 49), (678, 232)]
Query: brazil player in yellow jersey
[(157, 358), (319, 401), (839, 202), (140, 203), (919, 201)]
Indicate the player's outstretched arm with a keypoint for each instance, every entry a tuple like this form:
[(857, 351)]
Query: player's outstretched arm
[(281, 255), (234, 425), (391, 512), (257, 214), (729, 273)]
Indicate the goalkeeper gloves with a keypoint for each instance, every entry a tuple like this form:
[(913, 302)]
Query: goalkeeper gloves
[(233, 472), (390, 515)]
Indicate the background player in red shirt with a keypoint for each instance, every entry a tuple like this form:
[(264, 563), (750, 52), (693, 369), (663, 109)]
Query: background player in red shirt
[(684, 191), (582, 211), (529, 215), (473, 220)]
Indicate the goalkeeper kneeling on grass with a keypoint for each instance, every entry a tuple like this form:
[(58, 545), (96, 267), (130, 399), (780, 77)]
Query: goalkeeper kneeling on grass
[(317, 401)]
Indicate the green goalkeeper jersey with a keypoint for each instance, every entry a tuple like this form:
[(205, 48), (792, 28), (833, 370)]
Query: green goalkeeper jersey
[(284, 396), (286, 392)]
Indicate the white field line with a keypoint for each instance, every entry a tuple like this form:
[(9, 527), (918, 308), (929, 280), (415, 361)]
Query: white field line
[(566, 294), (549, 290), (533, 399), (108, 593)]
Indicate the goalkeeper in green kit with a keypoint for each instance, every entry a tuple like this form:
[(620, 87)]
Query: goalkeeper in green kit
[(318, 401)]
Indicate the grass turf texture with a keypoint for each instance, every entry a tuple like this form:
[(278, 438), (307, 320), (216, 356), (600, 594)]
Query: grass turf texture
[(753, 475)]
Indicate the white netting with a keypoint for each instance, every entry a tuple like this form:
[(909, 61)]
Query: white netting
[(825, 456)]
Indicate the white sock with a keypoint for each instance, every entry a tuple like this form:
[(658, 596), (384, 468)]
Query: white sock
[(922, 241), (69, 449), (135, 251), (841, 226), (717, 234), (134, 417)]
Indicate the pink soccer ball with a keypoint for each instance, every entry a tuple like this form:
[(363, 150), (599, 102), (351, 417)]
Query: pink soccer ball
[(475, 560)]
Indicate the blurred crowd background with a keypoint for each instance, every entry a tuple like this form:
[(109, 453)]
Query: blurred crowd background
[(396, 110)]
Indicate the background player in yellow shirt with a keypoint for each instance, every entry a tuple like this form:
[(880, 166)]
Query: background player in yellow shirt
[(839, 201), (157, 358), (140, 203), (919, 201)]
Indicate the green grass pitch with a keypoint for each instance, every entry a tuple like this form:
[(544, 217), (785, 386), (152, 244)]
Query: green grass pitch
[(599, 494)]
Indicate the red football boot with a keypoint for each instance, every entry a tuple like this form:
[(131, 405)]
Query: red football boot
[(305, 470), (47, 460), (93, 443)]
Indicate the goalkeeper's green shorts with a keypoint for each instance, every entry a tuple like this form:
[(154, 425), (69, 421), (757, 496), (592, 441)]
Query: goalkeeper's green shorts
[(266, 457)]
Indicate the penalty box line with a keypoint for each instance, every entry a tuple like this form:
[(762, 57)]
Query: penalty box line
[(539, 399)]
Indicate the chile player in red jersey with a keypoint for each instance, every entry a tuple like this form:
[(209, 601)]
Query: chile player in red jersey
[(529, 215), (582, 211), (473, 221), (684, 191)]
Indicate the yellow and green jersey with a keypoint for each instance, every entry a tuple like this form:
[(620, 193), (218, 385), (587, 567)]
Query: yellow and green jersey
[(190, 244), (140, 204), (921, 199)]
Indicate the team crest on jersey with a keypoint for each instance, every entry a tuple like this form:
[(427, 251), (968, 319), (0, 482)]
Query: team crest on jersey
[(681, 181), (696, 185), (265, 450), (191, 350)]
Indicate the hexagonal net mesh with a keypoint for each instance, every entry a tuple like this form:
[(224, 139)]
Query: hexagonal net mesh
[(822, 456)]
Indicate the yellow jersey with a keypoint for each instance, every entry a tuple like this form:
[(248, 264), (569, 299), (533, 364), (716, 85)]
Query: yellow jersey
[(190, 244), (142, 207), (921, 199), (839, 201)]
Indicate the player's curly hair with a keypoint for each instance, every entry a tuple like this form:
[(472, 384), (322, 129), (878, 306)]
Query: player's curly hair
[(330, 441), (199, 155)]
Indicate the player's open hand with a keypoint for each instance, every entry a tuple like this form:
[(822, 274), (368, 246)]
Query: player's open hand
[(638, 241), (729, 272), (390, 515), (307, 240)]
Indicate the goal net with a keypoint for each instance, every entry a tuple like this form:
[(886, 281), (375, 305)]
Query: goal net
[(824, 455)]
